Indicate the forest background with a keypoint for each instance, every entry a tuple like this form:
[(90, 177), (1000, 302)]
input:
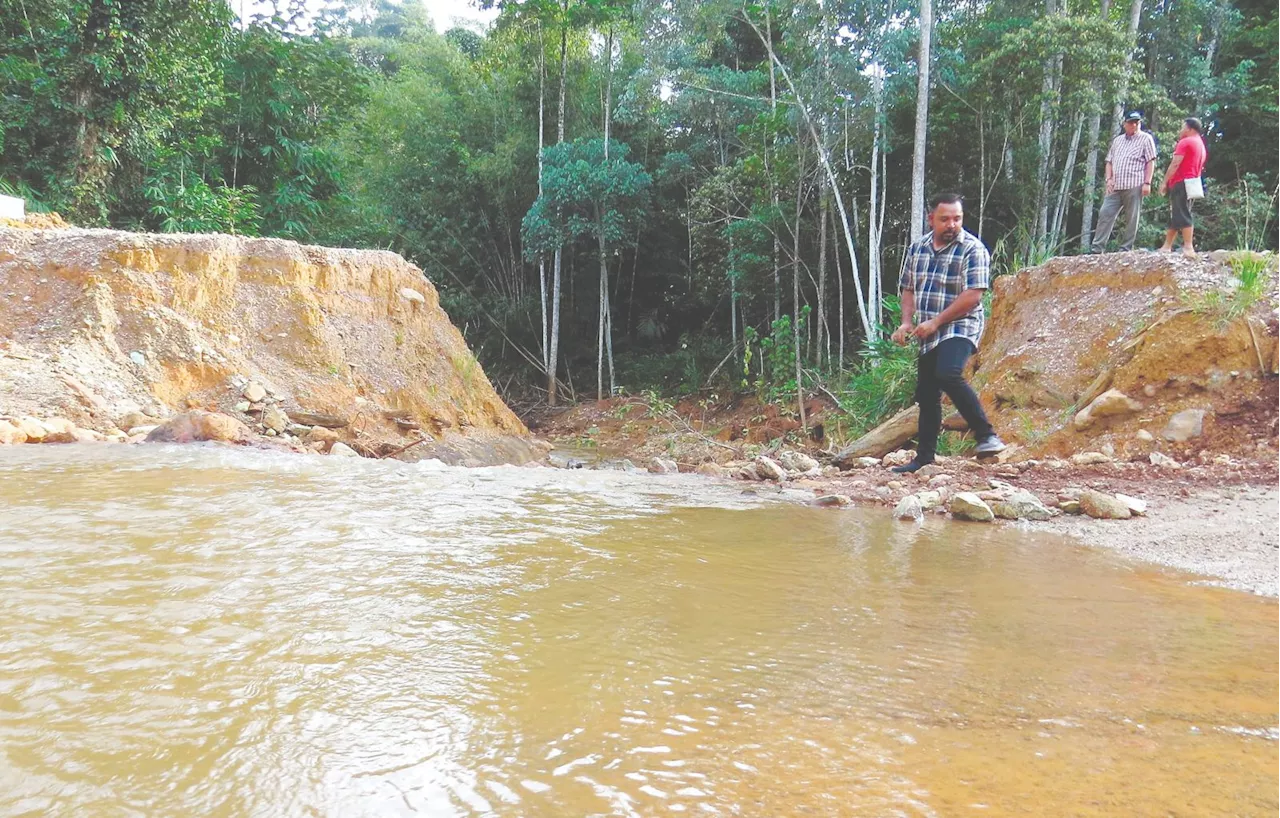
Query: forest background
[(676, 196)]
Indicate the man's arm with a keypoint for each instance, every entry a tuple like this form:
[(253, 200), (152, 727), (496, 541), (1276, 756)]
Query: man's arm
[(1147, 173), (1111, 182), (1173, 167), (908, 300), (963, 305)]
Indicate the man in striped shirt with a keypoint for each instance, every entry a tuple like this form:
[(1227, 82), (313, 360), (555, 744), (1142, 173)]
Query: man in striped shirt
[(946, 272), (1130, 163)]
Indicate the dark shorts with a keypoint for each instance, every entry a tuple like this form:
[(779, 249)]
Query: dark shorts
[(1180, 207)]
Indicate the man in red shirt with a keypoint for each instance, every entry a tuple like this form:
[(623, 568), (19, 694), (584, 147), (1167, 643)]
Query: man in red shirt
[(1188, 163)]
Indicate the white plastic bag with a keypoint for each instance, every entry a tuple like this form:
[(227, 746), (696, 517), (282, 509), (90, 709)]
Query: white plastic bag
[(1195, 187)]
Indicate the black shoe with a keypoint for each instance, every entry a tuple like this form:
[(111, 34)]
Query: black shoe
[(911, 468)]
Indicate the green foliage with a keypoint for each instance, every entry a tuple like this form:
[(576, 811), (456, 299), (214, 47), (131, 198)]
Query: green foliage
[(1253, 278), (589, 190), (182, 201)]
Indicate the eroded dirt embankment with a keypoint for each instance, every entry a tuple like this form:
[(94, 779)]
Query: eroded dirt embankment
[(108, 329)]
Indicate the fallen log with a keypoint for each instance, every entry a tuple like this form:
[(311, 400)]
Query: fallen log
[(885, 438), (317, 419)]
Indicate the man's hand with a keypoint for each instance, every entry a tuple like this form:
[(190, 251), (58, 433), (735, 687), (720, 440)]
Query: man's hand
[(901, 334), (925, 330), (1164, 188), (1146, 189), (1111, 186)]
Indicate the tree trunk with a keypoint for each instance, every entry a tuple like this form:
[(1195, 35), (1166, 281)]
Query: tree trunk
[(835, 254), (1049, 89), (874, 277), (542, 262), (795, 281), (1064, 189), (1091, 162), (916, 225), (773, 186), (553, 355), (605, 335), (824, 332)]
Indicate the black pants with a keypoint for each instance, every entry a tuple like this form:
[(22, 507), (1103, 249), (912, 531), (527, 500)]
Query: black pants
[(939, 370)]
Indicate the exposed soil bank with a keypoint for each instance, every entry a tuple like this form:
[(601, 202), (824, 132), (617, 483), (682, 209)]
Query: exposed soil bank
[(113, 331)]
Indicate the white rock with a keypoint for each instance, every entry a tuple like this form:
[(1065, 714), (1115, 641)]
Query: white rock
[(138, 358), (798, 462), (1089, 458), (909, 508), (1102, 506), (929, 499), (1187, 424), (275, 419), (410, 294), (968, 506), (767, 469), (141, 430), (1145, 436), (899, 458), (341, 449), (940, 480), (1021, 505), (242, 406), (661, 465), (1164, 461), (1137, 507), (254, 392)]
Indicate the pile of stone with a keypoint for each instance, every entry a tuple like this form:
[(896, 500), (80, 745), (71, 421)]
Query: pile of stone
[(260, 416)]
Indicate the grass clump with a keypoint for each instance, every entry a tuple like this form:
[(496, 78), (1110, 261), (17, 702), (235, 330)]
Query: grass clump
[(1251, 276)]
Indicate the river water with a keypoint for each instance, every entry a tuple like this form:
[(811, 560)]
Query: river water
[(201, 631)]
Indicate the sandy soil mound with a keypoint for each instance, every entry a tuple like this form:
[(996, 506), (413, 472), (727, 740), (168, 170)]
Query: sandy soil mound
[(1140, 324), (98, 324)]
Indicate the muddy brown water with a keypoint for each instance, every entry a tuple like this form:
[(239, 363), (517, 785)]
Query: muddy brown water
[(219, 632)]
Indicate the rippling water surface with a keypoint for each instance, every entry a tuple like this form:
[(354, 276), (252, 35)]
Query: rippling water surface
[(216, 632)]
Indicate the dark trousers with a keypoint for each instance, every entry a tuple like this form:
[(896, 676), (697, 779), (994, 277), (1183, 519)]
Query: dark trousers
[(939, 370)]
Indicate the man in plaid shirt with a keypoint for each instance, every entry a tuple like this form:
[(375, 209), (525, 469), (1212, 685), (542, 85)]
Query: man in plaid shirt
[(946, 272), (1130, 162)]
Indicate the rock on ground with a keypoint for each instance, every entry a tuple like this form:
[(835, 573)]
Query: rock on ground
[(798, 461), (1090, 458), (11, 434), (198, 425), (1164, 461), (1185, 425), (662, 465), (1020, 505), (767, 469), (341, 449), (909, 508), (1112, 403), (966, 505), (833, 500), (1103, 506)]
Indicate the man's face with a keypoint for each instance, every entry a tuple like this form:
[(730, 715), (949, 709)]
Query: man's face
[(1131, 126), (946, 221)]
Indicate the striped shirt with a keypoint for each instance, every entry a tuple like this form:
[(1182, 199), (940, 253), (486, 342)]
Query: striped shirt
[(1128, 158), (937, 277)]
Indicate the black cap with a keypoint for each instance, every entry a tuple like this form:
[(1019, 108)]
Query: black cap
[(1134, 116)]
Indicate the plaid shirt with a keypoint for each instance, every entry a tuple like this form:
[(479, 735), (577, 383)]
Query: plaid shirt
[(1128, 158), (937, 277)]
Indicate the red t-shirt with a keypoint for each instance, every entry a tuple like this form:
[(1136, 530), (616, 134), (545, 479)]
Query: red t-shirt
[(1191, 149)]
